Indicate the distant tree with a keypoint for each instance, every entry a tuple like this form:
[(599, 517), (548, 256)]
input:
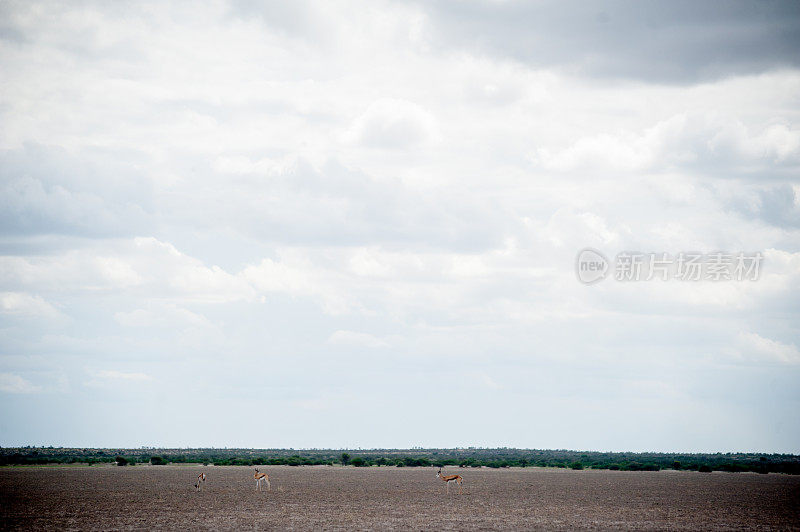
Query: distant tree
[(121, 461), (359, 462), (705, 468), (576, 465), (417, 457), (345, 458)]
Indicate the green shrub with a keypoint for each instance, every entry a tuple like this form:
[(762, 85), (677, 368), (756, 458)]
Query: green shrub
[(416, 462), (576, 465), (417, 457), (705, 468), (359, 462), (158, 460), (121, 461)]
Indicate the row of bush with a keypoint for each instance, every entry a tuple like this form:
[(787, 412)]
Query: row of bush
[(493, 458)]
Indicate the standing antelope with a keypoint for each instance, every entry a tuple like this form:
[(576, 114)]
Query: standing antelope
[(262, 477), (450, 478), (200, 478)]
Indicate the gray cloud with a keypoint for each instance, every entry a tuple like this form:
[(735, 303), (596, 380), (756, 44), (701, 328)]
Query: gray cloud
[(674, 42), (780, 206), (346, 197), (44, 190), (777, 205), (297, 203)]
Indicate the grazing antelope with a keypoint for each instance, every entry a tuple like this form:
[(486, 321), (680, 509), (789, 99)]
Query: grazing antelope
[(200, 478), (450, 478), (262, 477)]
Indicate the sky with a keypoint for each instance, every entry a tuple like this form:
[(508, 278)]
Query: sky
[(345, 224)]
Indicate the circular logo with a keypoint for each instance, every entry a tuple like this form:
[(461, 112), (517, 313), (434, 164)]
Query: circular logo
[(591, 266)]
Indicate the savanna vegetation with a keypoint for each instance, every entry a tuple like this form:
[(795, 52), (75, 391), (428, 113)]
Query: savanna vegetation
[(465, 457)]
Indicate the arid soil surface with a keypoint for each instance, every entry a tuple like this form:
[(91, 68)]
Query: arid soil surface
[(144, 497)]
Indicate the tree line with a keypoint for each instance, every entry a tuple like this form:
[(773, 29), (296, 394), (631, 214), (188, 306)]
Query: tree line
[(467, 457)]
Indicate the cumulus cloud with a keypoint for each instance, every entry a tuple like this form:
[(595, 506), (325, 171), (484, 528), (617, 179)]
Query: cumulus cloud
[(485, 381), (121, 375), (44, 189), (775, 204), (161, 315), (681, 141), (26, 304), (11, 383), (127, 265), (394, 124), (289, 188), (357, 339), (110, 379), (757, 348), (625, 38)]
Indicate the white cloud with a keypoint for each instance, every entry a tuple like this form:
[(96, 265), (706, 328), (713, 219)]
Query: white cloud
[(11, 383), (245, 165), (297, 275), (121, 375), (161, 315), (206, 190), (485, 381), (394, 124), (357, 339), (759, 349), (680, 141), (139, 265), (75, 269), (109, 379), (26, 304)]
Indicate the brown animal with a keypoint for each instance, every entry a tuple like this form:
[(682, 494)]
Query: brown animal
[(262, 477), (450, 478)]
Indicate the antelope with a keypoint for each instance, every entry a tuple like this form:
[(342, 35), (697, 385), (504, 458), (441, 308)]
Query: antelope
[(450, 478), (200, 478), (261, 477)]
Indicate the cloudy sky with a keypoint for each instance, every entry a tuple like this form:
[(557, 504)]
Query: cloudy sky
[(355, 224)]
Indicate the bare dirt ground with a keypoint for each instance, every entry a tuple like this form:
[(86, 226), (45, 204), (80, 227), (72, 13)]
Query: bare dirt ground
[(145, 497)]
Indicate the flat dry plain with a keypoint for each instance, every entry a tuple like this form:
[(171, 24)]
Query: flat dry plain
[(321, 497)]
